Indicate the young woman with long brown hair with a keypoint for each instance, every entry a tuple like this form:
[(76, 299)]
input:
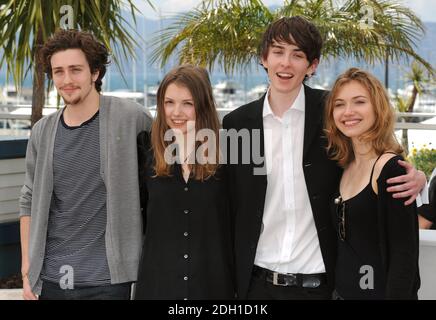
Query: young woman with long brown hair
[(187, 252), (377, 234)]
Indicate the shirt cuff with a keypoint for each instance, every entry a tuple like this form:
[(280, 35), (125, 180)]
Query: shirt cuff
[(422, 197)]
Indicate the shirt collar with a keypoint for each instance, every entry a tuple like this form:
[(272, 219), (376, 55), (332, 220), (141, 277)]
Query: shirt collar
[(299, 103)]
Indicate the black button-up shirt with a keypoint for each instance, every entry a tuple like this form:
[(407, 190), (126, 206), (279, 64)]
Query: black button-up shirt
[(187, 252)]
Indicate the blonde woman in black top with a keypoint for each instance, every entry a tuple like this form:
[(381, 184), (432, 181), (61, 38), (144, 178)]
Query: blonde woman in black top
[(377, 234), (187, 252)]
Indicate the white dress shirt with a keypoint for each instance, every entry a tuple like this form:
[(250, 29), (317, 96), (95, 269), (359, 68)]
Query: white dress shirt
[(289, 241)]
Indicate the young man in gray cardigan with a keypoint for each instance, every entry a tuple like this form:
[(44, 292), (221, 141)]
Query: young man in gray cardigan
[(80, 217)]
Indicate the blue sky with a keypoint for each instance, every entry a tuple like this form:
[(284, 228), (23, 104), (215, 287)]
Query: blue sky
[(425, 9)]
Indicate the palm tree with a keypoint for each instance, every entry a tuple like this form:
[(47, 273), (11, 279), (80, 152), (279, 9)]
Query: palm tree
[(228, 32), (401, 105), (26, 25), (417, 77)]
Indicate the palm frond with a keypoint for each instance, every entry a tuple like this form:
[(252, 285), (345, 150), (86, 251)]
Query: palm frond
[(227, 32), (21, 20)]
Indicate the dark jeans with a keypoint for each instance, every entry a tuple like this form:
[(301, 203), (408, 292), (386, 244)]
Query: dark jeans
[(52, 291), (260, 289)]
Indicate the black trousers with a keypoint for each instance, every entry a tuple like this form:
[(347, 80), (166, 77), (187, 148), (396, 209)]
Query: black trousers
[(260, 289), (52, 291)]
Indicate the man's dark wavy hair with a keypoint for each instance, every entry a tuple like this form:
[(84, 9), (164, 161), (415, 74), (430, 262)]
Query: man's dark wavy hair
[(295, 31), (96, 53)]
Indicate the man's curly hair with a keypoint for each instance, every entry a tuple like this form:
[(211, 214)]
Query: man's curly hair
[(96, 53)]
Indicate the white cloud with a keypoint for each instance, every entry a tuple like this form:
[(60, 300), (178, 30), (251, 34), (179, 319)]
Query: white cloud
[(424, 9), (168, 7), (165, 7)]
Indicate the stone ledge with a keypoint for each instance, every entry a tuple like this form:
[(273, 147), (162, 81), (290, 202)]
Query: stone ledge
[(11, 294)]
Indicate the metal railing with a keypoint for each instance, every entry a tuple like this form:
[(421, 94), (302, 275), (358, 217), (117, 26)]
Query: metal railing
[(223, 111)]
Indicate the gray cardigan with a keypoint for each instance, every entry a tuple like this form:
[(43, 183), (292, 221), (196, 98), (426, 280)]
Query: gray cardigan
[(120, 122)]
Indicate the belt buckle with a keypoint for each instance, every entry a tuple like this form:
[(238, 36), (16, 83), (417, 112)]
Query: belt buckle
[(276, 282)]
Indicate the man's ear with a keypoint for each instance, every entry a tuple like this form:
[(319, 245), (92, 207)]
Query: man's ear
[(95, 75), (312, 68), (264, 62)]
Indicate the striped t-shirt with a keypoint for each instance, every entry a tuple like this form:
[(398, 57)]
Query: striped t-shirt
[(77, 219)]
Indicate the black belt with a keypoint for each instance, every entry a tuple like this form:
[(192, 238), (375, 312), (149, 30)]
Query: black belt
[(291, 279)]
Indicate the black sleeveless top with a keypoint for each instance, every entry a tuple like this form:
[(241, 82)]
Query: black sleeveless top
[(359, 270)]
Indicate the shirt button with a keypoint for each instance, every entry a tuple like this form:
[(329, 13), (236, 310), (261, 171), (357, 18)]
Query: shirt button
[(185, 234), (185, 278), (186, 211), (185, 256), (186, 189)]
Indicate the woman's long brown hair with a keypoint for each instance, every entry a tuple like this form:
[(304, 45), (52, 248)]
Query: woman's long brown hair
[(197, 81), (380, 135)]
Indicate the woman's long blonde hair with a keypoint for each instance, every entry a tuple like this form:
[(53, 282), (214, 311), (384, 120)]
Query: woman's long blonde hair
[(380, 135), (197, 81)]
